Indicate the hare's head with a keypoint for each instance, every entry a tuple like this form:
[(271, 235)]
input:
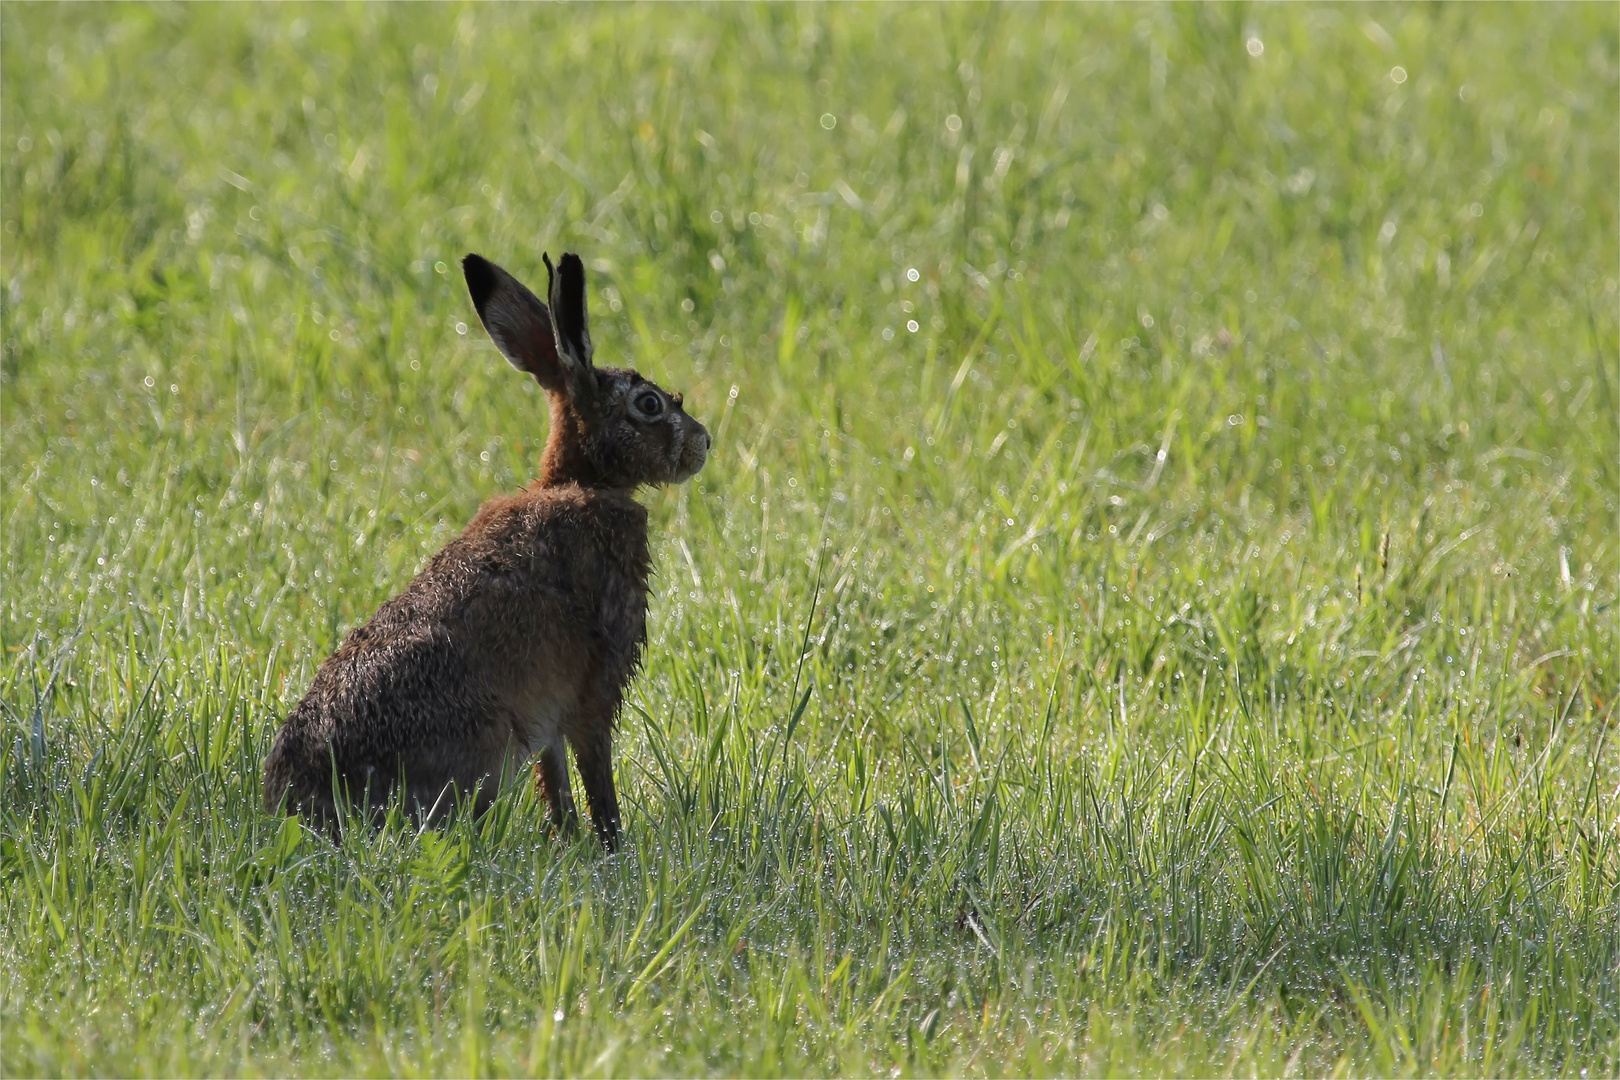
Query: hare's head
[(609, 426)]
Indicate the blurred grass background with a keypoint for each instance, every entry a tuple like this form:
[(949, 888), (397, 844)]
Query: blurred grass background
[(1150, 609)]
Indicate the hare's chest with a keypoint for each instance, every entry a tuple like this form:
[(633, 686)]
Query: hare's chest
[(622, 617)]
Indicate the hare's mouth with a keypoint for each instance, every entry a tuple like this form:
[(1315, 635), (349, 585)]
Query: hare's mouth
[(688, 469), (693, 455)]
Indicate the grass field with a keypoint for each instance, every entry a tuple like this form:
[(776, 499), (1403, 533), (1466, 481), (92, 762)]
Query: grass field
[(1190, 649)]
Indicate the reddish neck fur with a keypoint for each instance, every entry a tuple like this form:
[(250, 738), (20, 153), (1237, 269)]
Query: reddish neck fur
[(564, 460)]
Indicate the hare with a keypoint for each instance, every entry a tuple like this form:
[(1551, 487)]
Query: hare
[(519, 637)]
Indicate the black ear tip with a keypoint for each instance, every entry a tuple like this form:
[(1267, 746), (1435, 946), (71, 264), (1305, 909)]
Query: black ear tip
[(480, 275)]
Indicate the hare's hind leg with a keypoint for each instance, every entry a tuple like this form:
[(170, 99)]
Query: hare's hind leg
[(551, 776), (593, 753)]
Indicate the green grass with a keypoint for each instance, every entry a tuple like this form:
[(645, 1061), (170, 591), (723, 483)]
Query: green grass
[(1192, 650)]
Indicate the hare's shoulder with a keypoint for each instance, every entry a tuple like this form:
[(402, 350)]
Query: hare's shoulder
[(568, 517), (567, 540)]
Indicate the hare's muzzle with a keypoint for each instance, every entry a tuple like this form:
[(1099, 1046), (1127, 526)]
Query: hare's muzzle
[(694, 450)]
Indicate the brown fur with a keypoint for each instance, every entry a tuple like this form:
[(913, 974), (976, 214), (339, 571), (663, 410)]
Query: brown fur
[(519, 637)]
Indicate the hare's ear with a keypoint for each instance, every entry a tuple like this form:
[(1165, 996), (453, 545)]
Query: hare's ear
[(568, 309), (517, 321)]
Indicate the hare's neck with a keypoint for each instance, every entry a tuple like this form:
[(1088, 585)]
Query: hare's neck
[(565, 460)]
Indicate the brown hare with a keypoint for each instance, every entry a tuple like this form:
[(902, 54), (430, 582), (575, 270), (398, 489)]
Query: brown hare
[(519, 637)]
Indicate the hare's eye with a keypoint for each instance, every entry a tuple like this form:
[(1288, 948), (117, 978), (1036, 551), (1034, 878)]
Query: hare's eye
[(649, 404)]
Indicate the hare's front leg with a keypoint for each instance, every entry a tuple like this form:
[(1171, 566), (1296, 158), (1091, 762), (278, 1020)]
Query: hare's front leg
[(593, 753), (551, 774)]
